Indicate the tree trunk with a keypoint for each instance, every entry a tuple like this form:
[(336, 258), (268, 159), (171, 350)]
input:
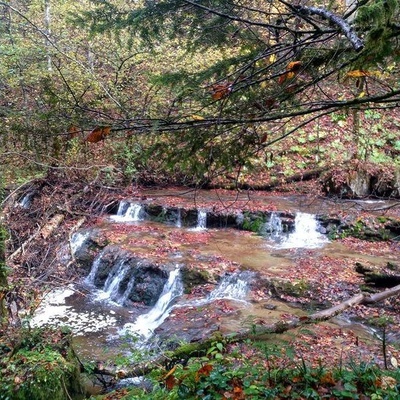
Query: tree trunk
[(303, 176), (3, 277)]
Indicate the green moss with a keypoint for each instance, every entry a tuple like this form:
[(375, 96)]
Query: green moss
[(297, 288), (194, 277), (41, 366), (253, 222)]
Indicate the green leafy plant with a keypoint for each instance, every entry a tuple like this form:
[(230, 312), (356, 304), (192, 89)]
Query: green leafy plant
[(276, 374)]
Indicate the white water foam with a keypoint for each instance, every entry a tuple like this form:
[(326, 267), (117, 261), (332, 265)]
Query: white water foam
[(231, 287), (54, 310), (89, 280), (145, 324), (117, 274), (305, 235), (25, 202), (201, 221), (178, 222), (129, 212), (273, 227), (77, 241)]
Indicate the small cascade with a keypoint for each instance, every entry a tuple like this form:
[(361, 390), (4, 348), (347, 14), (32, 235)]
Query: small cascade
[(124, 297), (117, 274), (232, 287), (145, 324), (239, 219), (129, 212), (77, 241), (178, 222), (201, 220), (89, 280), (306, 233), (273, 228), (122, 207)]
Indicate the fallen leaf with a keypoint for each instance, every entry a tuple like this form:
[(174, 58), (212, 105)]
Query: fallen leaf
[(205, 370), (197, 117)]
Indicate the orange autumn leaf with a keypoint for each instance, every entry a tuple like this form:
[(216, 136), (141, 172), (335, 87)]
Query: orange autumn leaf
[(170, 372), (98, 134), (170, 382), (287, 390), (357, 73), (205, 370), (238, 393), (282, 79), (73, 132), (294, 66), (328, 379), (219, 91), (291, 70)]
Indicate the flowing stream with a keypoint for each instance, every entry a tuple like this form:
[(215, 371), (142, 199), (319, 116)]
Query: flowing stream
[(60, 306), (129, 212), (145, 324), (107, 312)]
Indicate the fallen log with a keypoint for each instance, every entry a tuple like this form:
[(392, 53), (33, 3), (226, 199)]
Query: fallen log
[(362, 298), (21, 249), (273, 183), (377, 297)]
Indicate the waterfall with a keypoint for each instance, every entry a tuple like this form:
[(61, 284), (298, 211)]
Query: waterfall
[(25, 202), (178, 222), (89, 280), (128, 212), (273, 228), (232, 287), (305, 235), (124, 297), (117, 274), (77, 241), (145, 324), (201, 221)]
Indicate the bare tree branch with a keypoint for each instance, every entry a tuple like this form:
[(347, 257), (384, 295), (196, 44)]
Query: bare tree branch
[(346, 29)]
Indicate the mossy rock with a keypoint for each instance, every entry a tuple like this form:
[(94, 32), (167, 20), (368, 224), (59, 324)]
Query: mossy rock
[(41, 366), (253, 221), (193, 277)]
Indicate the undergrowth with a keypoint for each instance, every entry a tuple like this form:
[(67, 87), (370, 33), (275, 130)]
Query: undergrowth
[(258, 371)]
